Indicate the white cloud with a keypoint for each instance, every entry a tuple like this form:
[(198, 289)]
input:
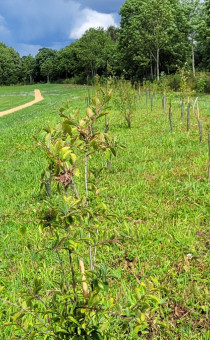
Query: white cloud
[(28, 25), (91, 19)]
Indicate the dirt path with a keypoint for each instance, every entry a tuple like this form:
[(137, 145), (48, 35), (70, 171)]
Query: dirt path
[(38, 98)]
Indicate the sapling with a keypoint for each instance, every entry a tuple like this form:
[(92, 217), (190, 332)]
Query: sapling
[(125, 101), (74, 219)]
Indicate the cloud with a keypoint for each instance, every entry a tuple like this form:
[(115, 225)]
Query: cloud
[(38, 21), (52, 23), (90, 18)]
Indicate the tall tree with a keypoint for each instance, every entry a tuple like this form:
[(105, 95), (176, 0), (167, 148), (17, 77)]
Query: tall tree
[(64, 62), (93, 50), (152, 35), (193, 12), (47, 68), (10, 65), (150, 22), (44, 56), (28, 64), (203, 38)]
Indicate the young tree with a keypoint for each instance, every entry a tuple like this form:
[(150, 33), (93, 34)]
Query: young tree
[(47, 68), (28, 64)]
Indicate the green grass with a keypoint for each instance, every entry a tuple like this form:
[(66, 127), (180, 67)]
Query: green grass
[(13, 100), (157, 186)]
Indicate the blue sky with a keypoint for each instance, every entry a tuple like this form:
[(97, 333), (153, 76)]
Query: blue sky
[(28, 25)]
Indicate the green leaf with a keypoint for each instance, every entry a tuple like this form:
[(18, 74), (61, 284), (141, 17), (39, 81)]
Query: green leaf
[(143, 317), (64, 150), (73, 157), (67, 155), (18, 316), (48, 139), (154, 298), (104, 326), (62, 331), (155, 281), (94, 144), (67, 127), (82, 122), (137, 329), (102, 114), (89, 112), (74, 320), (76, 172)]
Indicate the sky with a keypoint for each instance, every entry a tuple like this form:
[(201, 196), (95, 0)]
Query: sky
[(28, 25)]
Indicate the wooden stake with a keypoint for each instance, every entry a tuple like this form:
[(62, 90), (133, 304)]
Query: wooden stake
[(209, 155), (170, 118), (188, 115), (84, 283), (182, 109), (108, 165), (151, 100)]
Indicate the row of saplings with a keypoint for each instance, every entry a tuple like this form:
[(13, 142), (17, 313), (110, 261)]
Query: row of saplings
[(75, 224)]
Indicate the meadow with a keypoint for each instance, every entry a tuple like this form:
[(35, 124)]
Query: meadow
[(157, 189), (9, 101)]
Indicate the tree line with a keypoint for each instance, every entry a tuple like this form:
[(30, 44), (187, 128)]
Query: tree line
[(154, 37)]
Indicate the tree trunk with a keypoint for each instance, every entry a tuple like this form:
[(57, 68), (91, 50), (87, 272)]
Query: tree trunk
[(48, 78)]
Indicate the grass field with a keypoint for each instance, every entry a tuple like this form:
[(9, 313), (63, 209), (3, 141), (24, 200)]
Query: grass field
[(12, 100), (157, 186)]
